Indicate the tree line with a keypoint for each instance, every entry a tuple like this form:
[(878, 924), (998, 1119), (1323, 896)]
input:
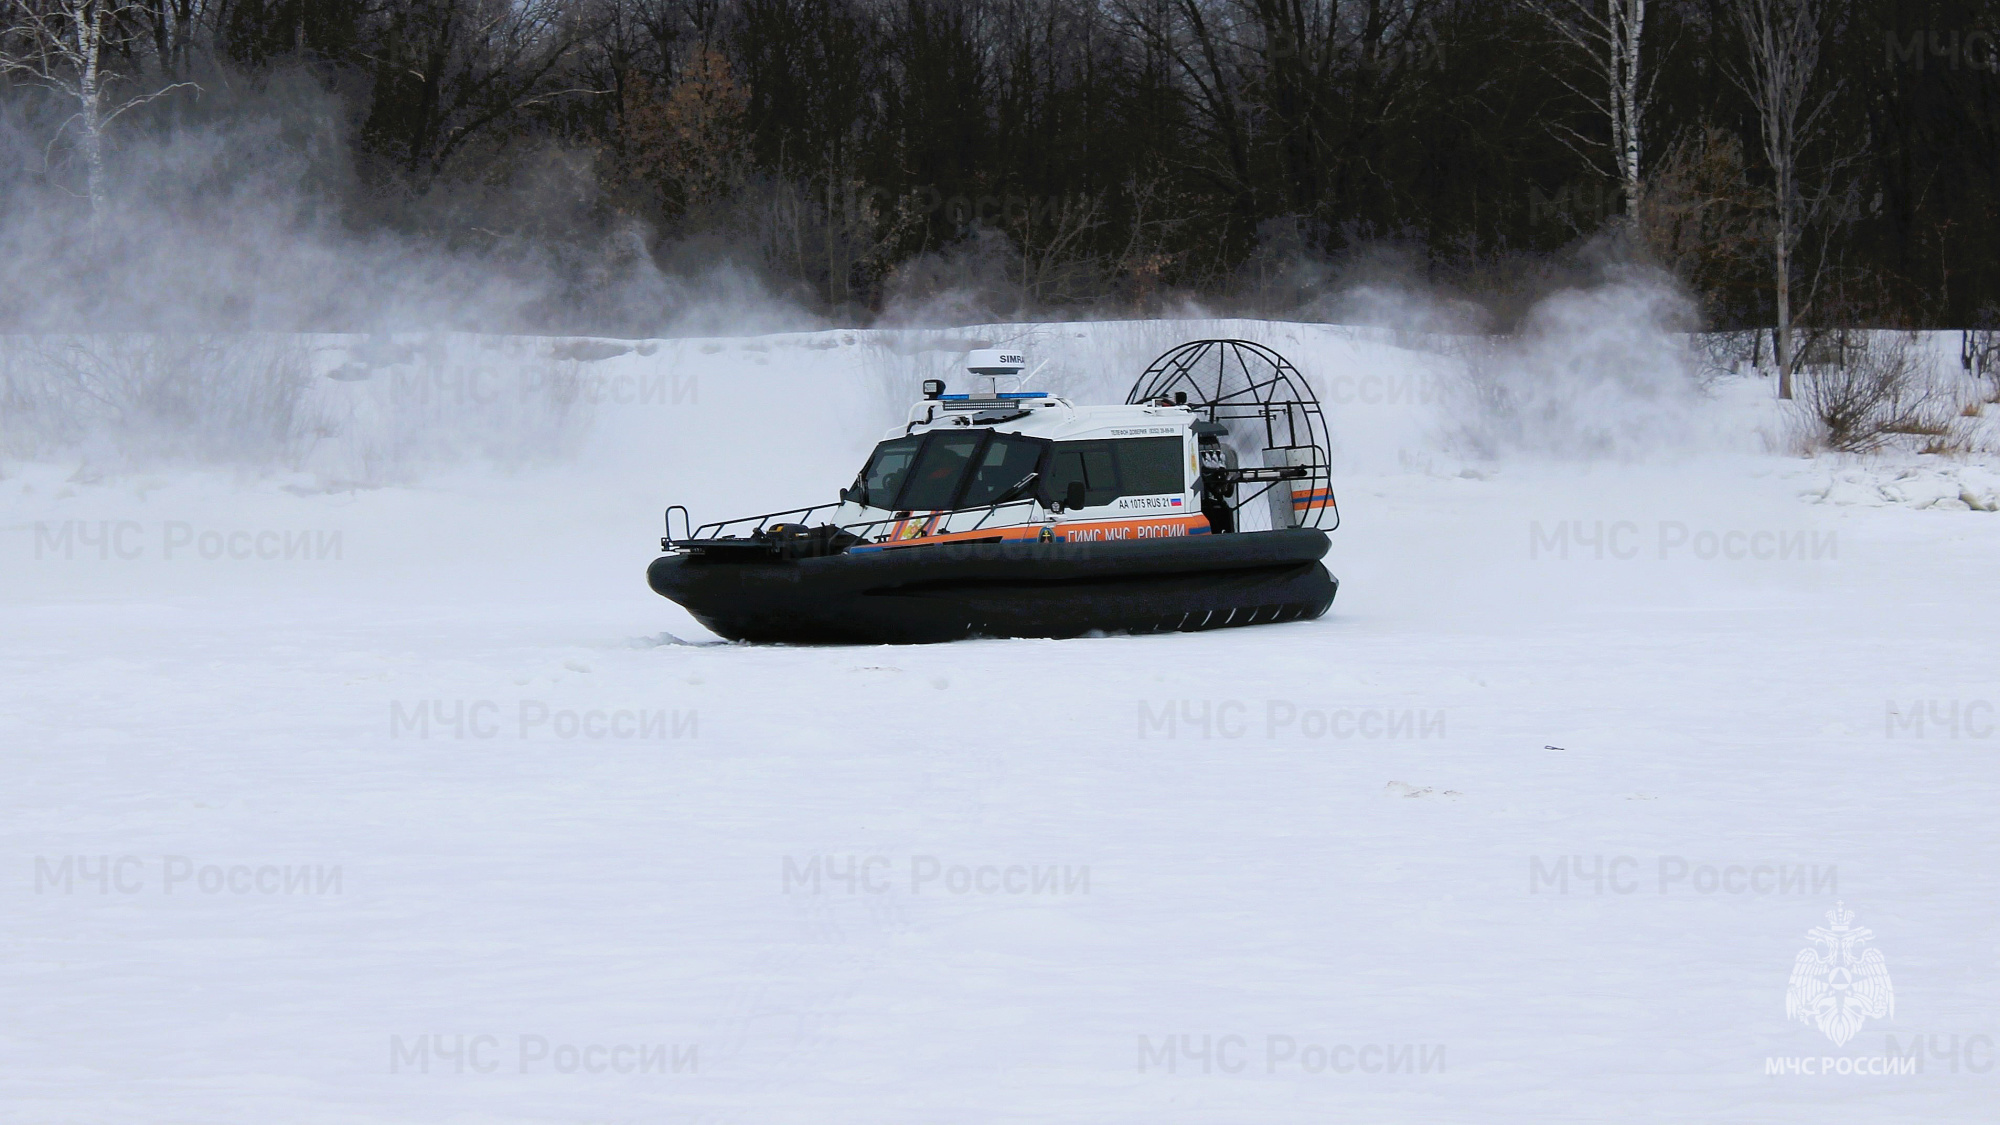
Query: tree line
[(1811, 161)]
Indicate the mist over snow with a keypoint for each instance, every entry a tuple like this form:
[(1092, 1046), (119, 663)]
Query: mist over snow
[(230, 306), (1608, 372), (380, 407), (247, 218)]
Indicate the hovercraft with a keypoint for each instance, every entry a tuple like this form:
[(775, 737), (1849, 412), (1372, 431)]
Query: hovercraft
[(1203, 502)]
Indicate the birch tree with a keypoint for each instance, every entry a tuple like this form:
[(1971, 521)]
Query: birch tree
[(64, 45), (1610, 34), (1783, 39)]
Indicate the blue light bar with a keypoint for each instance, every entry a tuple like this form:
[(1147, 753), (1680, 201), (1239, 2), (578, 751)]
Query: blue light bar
[(990, 398)]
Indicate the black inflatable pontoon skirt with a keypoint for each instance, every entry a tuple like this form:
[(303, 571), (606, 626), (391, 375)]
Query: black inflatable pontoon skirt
[(917, 595)]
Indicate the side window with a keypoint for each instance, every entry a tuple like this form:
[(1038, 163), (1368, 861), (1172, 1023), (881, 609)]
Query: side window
[(935, 479), (1086, 461), (1150, 466), (1110, 469), (1006, 460)]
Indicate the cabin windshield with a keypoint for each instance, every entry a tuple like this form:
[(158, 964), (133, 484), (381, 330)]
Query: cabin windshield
[(1002, 466), (935, 480), (941, 472)]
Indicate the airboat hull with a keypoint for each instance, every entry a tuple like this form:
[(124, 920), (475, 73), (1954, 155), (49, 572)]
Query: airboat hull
[(952, 591)]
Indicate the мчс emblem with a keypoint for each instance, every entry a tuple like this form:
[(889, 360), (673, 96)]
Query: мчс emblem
[(1836, 985)]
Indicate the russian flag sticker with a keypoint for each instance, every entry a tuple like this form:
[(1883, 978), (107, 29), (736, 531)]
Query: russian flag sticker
[(1177, 501)]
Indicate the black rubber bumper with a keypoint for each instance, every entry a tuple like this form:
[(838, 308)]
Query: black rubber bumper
[(917, 595)]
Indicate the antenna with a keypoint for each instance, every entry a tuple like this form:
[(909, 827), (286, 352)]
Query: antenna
[(993, 365)]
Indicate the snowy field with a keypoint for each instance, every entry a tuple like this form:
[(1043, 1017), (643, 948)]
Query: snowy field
[(382, 789)]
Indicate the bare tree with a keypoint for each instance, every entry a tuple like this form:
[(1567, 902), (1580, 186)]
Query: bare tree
[(1702, 218), (1294, 81), (1783, 38), (62, 45), (1057, 263), (1873, 391), (1610, 34), (1197, 39), (452, 69)]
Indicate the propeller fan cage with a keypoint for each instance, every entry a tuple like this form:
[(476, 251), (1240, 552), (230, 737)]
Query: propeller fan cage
[(1259, 397)]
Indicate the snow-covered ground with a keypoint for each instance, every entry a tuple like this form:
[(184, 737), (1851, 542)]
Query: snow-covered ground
[(385, 790)]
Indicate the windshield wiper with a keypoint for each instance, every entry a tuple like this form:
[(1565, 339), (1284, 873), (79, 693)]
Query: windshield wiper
[(1020, 486)]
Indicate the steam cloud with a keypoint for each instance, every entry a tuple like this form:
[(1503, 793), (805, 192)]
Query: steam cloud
[(200, 317)]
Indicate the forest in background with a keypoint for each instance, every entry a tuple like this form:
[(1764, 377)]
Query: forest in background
[(987, 159)]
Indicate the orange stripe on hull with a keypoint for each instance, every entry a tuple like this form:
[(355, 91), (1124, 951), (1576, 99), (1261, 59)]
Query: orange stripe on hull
[(1307, 500), (912, 532)]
